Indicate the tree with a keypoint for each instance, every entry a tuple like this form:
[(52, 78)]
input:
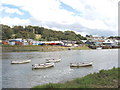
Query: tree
[(79, 42), (6, 32), (31, 31), (70, 35), (81, 37), (17, 29), (29, 28)]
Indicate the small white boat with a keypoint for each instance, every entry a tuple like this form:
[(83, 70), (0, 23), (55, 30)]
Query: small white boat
[(42, 65), (99, 48), (80, 64), (53, 60), (20, 62)]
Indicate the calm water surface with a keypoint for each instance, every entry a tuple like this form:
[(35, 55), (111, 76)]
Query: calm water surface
[(22, 75)]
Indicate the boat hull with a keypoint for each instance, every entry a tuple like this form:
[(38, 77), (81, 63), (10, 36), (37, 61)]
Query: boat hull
[(53, 60), (20, 62), (42, 66), (80, 65), (99, 48)]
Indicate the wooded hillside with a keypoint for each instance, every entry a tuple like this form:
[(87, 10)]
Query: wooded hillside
[(30, 32)]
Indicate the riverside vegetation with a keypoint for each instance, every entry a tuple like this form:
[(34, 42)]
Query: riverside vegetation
[(103, 79), (31, 48), (26, 48)]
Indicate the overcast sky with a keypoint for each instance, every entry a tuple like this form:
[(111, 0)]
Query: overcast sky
[(95, 17)]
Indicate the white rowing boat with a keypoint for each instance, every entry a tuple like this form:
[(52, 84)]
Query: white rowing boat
[(53, 60), (80, 64), (99, 48), (42, 65), (20, 62)]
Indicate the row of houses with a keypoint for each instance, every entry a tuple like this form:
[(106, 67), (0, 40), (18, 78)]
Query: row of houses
[(96, 41), (100, 41), (21, 41)]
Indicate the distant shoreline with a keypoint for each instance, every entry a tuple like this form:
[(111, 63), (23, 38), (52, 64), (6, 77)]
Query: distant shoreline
[(31, 48), (38, 48)]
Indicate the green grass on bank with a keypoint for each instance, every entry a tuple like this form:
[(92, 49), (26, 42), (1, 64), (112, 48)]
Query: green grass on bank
[(26, 48), (81, 48), (103, 79), (40, 48)]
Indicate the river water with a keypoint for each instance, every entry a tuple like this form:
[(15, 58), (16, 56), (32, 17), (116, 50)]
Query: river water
[(22, 75)]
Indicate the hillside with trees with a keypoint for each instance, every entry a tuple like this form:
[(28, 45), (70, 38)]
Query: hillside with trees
[(30, 32)]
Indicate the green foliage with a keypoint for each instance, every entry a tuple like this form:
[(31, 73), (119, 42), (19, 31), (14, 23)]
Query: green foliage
[(70, 35), (81, 37), (50, 86), (17, 29), (81, 48), (30, 31), (79, 42), (6, 32)]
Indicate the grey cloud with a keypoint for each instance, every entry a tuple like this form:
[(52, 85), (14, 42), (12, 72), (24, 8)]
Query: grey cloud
[(75, 27)]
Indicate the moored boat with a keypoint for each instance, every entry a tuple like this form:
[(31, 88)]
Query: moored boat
[(99, 48), (80, 64), (42, 65), (20, 62), (53, 60)]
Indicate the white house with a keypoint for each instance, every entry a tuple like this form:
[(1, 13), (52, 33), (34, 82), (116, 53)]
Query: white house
[(109, 42)]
